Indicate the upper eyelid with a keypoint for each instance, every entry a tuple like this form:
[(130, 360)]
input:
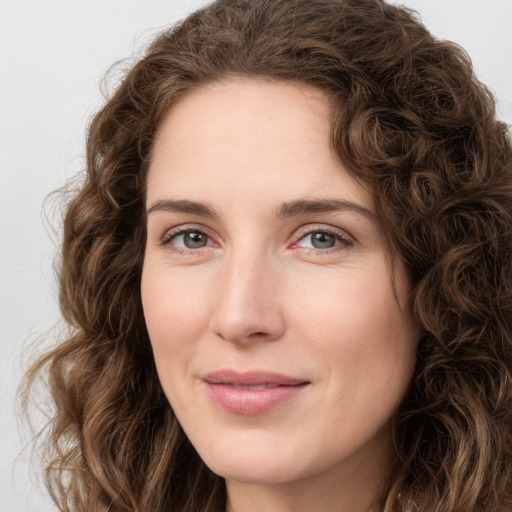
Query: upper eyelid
[(183, 228), (319, 227), (170, 235)]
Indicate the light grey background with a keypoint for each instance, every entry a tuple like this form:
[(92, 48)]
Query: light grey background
[(53, 55)]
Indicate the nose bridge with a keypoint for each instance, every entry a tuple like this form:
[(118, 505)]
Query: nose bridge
[(248, 306)]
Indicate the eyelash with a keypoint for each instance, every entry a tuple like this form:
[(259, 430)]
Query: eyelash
[(173, 234), (342, 239)]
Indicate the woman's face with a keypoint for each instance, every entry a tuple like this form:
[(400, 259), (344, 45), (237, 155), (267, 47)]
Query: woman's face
[(281, 340)]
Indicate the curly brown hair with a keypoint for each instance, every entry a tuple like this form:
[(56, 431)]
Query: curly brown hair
[(411, 120)]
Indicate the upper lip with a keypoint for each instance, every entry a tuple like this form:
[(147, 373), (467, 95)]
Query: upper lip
[(252, 378)]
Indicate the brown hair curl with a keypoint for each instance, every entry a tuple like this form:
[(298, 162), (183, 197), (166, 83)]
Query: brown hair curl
[(410, 119)]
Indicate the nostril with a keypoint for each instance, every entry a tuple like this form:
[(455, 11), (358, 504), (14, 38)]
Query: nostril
[(257, 334)]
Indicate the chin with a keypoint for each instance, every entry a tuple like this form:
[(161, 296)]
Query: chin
[(253, 463)]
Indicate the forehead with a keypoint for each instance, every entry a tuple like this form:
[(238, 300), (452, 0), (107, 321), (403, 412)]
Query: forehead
[(249, 137)]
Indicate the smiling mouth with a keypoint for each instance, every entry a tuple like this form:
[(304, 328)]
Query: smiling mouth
[(251, 393)]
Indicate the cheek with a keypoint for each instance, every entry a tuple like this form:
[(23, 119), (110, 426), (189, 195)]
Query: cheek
[(348, 306), (173, 323), (174, 303), (174, 315), (366, 340)]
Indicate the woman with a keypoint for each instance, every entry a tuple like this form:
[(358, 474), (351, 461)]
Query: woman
[(288, 274)]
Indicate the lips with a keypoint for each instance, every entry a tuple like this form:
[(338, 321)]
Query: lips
[(251, 393)]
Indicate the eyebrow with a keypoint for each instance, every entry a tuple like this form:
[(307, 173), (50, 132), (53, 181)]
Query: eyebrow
[(287, 209), (182, 206), (304, 206)]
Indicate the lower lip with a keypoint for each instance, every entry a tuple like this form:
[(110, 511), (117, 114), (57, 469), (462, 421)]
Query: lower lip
[(251, 402)]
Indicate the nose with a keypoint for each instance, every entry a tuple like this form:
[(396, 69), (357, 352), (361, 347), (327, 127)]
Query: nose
[(248, 305)]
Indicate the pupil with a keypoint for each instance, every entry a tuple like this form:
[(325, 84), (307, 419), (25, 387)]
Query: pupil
[(194, 240), (322, 241)]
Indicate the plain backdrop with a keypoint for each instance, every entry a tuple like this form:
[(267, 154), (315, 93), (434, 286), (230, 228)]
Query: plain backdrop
[(53, 55)]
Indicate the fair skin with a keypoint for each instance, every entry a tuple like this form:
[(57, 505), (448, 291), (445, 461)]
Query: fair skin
[(263, 255)]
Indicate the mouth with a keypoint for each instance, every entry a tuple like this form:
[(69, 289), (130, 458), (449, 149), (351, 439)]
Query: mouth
[(251, 393), (254, 388)]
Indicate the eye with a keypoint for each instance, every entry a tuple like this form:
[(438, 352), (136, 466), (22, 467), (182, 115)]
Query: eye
[(187, 239), (322, 240), (192, 239)]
